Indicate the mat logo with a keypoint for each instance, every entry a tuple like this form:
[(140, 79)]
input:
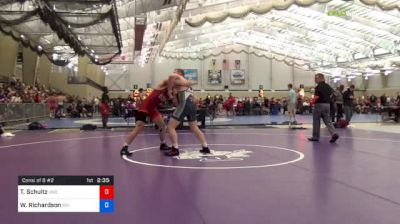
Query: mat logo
[(215, 156)]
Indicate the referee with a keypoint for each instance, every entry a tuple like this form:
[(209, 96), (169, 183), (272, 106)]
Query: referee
[(323, 94)]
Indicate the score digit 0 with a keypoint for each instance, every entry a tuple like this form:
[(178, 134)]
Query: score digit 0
[(106, 192)]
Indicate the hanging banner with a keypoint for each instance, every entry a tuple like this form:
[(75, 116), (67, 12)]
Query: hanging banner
[(213, 64), (214, 77), (191, 75), (237, 64), (237, 77), (225, 64)]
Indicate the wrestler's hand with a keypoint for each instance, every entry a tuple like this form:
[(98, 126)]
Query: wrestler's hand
[(170, 94), (174, 102)]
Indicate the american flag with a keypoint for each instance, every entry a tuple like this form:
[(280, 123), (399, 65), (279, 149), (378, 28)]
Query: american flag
[(225, 64)]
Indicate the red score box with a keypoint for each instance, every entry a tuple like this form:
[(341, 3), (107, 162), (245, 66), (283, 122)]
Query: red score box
[(106, 192)]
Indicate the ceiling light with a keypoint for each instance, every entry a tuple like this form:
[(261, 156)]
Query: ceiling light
[(388, 72), (375, 71)]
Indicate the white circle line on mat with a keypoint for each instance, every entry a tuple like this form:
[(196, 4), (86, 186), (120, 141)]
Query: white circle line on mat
[(300, 157)]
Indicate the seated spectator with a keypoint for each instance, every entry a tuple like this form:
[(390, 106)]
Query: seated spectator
[(383, 100), (256, 106), (3, 97), (220, 103), (239, 108), (284, 105), (15, 98), (88, 109), (306, 106), (266, 102), (247, 106), (207, 101), (37, 97), (13, 81)]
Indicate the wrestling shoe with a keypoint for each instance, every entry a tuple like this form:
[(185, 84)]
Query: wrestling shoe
[(334, 138), (172, 152), (312, 139), (124, 151), (164, 147), (205, 150)]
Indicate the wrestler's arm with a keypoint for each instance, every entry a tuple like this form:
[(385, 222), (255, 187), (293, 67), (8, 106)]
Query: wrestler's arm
[(162, 85), (176, 80), (175, 98)]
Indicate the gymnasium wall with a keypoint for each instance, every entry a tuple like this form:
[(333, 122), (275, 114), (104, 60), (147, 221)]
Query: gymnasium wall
[(58, 79), (272, 74), (380, 84)]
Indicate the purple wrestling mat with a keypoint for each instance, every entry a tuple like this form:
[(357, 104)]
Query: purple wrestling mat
[(253, 176)]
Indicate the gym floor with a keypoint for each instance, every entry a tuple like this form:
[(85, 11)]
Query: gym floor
[(255, 175)]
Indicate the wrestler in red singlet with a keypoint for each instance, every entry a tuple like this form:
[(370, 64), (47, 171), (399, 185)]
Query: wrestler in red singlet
[(148, 108), (150, 104)]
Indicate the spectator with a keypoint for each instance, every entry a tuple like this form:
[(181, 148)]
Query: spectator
[(229, 105), (3, 97), (373, 99), (256, 106), (13, 81), (208, 100), (323, 94), (52, 103), (291, 105), (383, 100), (338, 98), (37, 98), (274, 106), (104, 96), (247, 106), (105, 112), (239, 108), (348, 100), (60, 98), (266, 102), (96, 104), (284, 105), (15, 98)]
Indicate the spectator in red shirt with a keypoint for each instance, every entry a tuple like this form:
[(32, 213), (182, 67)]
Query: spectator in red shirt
[(37, 98), (239, 108), (51, 101), (229, 105), (105, 112)]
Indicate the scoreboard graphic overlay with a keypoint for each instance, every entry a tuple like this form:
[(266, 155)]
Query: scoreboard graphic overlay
[(66, 194)]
